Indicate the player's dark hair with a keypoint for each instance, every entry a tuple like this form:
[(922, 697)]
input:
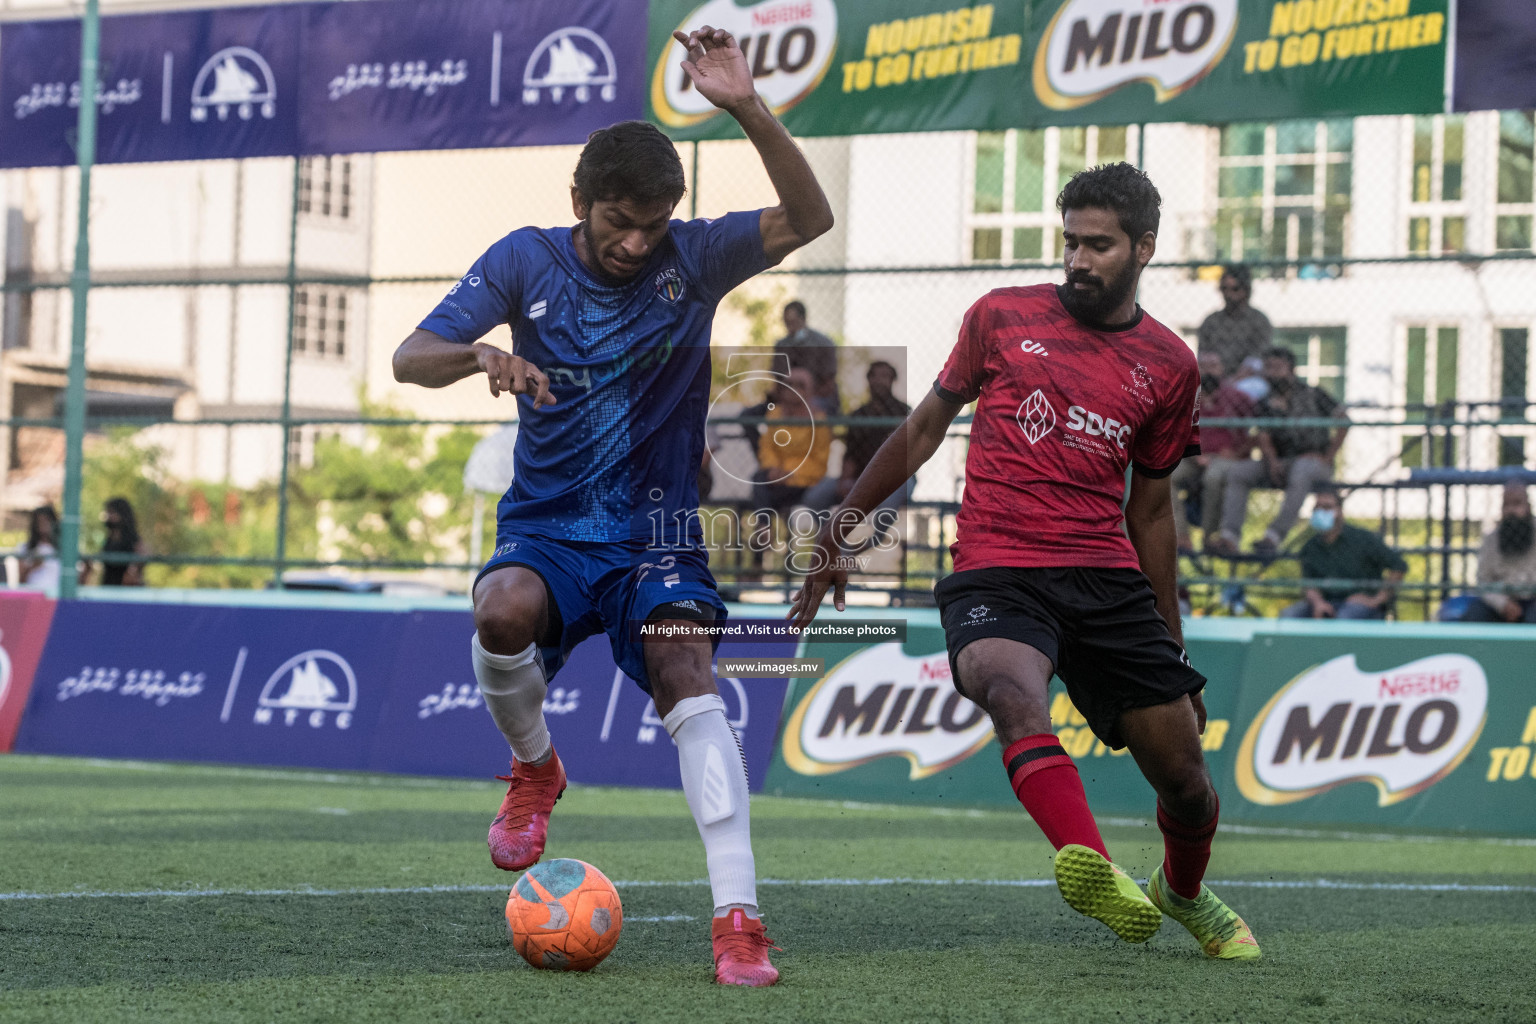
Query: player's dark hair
[(631, 160), (1120, 187), (1280, 352), (1240, 273), (797, 306)]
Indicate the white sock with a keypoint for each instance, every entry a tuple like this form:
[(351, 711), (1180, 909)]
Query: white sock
[(513, 687), (715, 783)]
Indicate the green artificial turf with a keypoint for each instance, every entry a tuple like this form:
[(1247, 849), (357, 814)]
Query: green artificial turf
[(881, 912)]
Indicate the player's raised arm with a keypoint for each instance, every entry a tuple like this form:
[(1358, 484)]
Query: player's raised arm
[(719, 71), (435, 362), (903, 453)]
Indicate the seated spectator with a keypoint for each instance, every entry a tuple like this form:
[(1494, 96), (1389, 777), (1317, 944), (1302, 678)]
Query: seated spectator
[(1294, 458), (1340, 551), (790, 458), (815, 352), (1508, 556), (1249, 379), (861, 443), (39, 556), (1203, 479)]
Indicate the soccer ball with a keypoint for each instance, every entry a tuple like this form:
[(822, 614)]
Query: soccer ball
[(564, 915)]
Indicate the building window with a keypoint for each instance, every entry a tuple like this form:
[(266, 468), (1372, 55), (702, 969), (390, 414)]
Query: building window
[(1437, 211), (1514, 367), (320, 322), (1319, 355), (1515, 209), (1282, 190), (1430, 357), (1016, 177), (325, 186)]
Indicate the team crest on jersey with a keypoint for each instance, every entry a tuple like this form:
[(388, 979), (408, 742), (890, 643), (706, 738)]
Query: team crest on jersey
[(669, 284), (1140, 377)]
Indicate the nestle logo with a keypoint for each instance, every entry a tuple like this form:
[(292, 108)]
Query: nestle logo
[(1420, 684), (782, 15)]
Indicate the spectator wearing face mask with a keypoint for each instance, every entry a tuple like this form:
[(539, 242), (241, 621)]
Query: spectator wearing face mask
[(1508, 557), (1296, 458), (1340, 551)]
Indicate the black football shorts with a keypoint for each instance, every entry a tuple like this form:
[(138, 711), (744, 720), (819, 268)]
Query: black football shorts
[(1099, 627)]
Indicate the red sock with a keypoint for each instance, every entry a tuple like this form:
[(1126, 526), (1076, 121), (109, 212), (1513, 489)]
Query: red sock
[(1046, 782), (1186, 851)]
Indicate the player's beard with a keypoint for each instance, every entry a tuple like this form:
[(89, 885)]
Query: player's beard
[(1095, 304)]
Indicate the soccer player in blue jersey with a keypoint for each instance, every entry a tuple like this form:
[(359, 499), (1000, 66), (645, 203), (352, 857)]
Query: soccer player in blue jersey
[(610, 364)]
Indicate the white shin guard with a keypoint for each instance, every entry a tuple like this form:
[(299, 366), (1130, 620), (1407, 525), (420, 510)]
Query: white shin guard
[(715, 782), (513, 687)]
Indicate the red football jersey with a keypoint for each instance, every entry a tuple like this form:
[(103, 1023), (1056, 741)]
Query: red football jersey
[(1064, 410)]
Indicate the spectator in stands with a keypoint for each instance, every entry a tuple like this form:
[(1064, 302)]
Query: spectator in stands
[(860, 443), (1203, 479), (793, 457), (122, 538), (1337, 550), (1294, 458), (815, 352), (39, 556), (1508, 556), (1237, 330), (1249, 379)]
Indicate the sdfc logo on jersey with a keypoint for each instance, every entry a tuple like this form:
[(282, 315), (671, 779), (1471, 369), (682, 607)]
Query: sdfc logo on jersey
[(669, 285)]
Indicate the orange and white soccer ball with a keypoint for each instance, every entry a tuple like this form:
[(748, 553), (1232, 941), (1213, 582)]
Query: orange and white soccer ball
[(564, 915)]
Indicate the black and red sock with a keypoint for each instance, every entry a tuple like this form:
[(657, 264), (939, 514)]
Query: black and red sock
[(1046, 782), (1186, 851)]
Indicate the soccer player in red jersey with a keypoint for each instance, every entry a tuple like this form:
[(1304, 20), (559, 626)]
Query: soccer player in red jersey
[(1074, 385)]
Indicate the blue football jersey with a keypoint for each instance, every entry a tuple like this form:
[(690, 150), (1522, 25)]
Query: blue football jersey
[(619, 453)]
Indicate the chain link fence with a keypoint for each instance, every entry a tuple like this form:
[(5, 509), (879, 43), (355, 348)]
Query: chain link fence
[(244, 314)]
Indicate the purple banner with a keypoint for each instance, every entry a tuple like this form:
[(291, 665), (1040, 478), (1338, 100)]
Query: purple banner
[(1495, 55), (302, 79), (463, 74), (377, 691), (603, 724)]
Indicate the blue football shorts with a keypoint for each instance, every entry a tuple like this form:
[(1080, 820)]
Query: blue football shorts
[(605, 588)]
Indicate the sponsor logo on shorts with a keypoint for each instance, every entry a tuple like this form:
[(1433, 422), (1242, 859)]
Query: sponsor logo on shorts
[(884, 703), (1093, 47), (979, 615), (1402, 729), (505, 549)]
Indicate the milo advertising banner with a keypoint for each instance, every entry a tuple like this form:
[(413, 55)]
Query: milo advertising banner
[(1428, 727), (1391, 725), (838, 67), (885, 724)]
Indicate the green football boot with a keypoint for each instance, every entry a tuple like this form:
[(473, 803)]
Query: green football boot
[(1095, 887), (1221, 933)]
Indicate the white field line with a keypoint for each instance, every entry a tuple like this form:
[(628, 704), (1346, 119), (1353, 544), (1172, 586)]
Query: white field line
[(429, 782), (847, 883)]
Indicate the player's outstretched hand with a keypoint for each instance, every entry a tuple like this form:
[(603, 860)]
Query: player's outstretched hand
[(825, 570), (514, 375), (717, 66)]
